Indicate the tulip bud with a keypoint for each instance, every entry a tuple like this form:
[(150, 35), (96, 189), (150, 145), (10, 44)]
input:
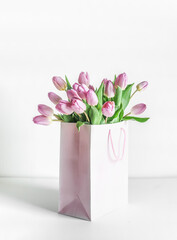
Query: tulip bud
[(59, 83), (138, 109), (92, 98), (71, 94), (121, 81), (45, 110), (84, 78), (75, 86), (108, 109), (141, 86), (91, 87), (78, 106), (82, 91), (54, 97), (64, 107), (42, 120), (104, 81), (109, 89)]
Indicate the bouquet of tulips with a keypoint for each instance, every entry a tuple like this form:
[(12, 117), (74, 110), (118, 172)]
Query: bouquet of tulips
[(87, 105)]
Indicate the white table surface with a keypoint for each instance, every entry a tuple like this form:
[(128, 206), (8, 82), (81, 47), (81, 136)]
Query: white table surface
[(28, 210)]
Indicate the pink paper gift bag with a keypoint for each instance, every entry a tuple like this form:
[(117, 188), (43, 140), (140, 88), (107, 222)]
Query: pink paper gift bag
[(93, 177)]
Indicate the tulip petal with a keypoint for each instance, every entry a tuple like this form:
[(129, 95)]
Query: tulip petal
[(108, 109), (42, 120), (54, 97), (138, 109), (71, 94), (84, 78), (142, 86), (92, 98), (64, 107), (109, 89), (45, 110), (121, 81), (78, 105), (59, 83)]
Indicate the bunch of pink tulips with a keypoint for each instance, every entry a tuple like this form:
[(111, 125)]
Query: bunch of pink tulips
[(86, 105)]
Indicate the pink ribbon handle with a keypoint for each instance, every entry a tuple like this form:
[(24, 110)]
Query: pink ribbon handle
[(110, 145)]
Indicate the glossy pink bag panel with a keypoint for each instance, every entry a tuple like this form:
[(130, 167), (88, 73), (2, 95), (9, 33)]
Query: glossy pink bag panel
[(93, 169), (74, 191)]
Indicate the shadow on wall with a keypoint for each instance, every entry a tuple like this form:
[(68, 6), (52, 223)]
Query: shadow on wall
[(31, 192)]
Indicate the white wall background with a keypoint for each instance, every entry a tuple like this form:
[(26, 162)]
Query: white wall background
[(39, 39)]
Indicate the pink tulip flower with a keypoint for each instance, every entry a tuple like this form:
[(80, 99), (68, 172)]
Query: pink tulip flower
[(91, 87), (71, 94), (121, 81), (64, 107), (42, 120), (84, 78), (78, 106), (108, 109), (141, 86), (54, 97), (75, 86), (82, 91), (138, 109), (59, 83), (104, 81), (92, 99), (45, 110), (109, 89)]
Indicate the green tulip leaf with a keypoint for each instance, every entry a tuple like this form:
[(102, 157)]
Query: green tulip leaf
[(99, 94), (102, 120), (121, 114), (105, 99), (114, 78), (58, 116), (138, 119), (68, 83), (76, 117), (115, 117), (79, 124), (95, 115), (98, 106), (118, 97), (126, 94), (87, 108), (68, 118)]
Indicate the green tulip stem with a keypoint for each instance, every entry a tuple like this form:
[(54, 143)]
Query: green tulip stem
[(134, 93), (106, 120), (78, 115), (87, 117), (55, 120), (127, 114), (55, 115)]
